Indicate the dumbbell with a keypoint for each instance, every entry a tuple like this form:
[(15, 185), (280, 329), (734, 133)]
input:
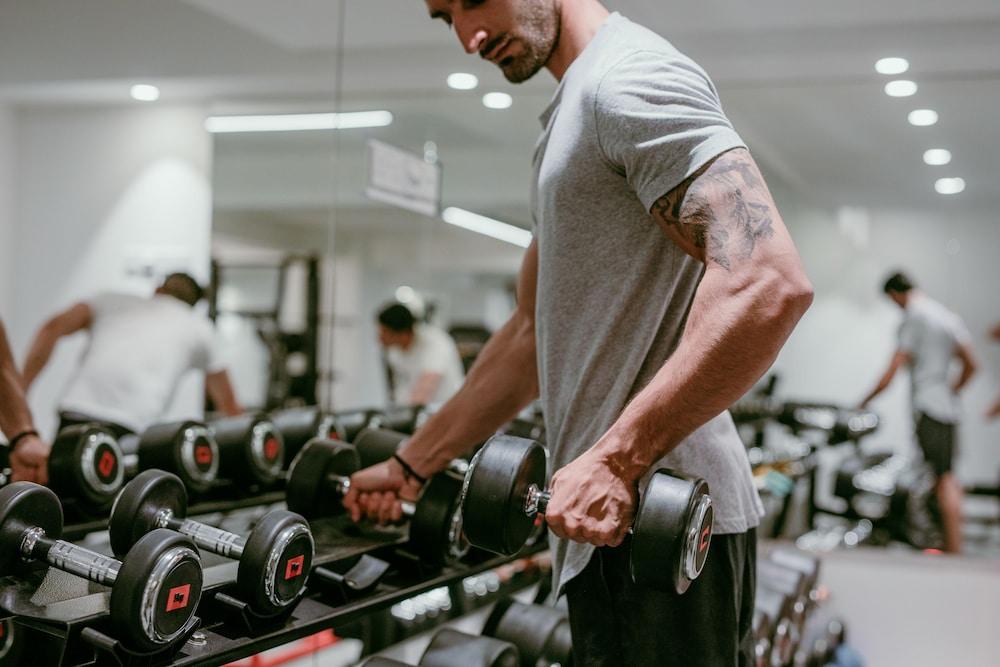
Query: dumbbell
[(354, 421), (155, 589), (375, 445), (320, 477), (779, 609), (403, 419), (671, 532), (251, 450), (300, 425), (820, 639), (84, 465), (787, 581), (805, 563), (184, 448), (540, 633), (762, 630), (275, 559), (451, 648)]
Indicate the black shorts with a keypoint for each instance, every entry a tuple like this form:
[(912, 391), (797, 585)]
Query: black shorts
[(937, 442), (615, 622)]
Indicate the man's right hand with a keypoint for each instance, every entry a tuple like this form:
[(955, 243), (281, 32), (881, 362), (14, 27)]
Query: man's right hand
[(377, 491), (30, 460)]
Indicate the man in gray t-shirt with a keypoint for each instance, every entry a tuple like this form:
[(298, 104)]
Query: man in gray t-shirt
[(660, 285), (930, 339)]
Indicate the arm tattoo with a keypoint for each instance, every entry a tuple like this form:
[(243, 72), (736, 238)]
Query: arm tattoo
[(723, 210)]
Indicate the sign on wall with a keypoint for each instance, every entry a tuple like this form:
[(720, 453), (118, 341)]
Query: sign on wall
[(403, 179)]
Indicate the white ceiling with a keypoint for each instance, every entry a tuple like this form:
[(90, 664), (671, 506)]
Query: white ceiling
[(796, 77)]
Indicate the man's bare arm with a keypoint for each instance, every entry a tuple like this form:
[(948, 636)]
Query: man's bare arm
[(220, 390), (964, 353), (75, 318), (424, 388), (29, 458), (899, 359), (503, 380), (15, 417), (752, 294)]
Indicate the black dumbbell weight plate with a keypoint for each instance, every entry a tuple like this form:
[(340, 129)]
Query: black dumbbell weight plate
[(276, 561), (157, 590), (377, 445), (184, 448), (436, 526), (672, 531), (86, 463), (134, 512), (449, 648), (305, 492), (493, 498), (23, 506), (540, 633)]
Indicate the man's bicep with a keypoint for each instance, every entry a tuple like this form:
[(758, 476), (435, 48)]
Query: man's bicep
[(723, 214)]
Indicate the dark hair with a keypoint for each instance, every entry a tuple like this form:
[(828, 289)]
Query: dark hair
[(184, 287), (898, 282), (397, 317)]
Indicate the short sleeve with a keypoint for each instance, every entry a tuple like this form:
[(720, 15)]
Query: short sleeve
[(659, 120), (960, 332), (109, 303)]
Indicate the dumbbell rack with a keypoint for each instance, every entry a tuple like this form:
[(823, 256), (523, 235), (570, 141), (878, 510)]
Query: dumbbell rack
[(66, 622)]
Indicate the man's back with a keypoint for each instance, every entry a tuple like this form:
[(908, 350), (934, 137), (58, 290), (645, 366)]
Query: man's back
[(138, 351), (930, 334)]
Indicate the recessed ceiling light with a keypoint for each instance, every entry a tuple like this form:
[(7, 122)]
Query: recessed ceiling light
[(923, 117), (143, 92), (900, 88), (937, 157), (462, 81), (497, 100), (949, 186), (892, 66), (299, 121)]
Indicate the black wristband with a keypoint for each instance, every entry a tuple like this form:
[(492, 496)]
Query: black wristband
[(408, 470), (21, 436)]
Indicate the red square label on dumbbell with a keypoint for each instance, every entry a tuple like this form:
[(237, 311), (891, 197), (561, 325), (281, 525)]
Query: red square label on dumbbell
[(107, 464), (293, 567), (177, 598), (203, 454), (271, 449)]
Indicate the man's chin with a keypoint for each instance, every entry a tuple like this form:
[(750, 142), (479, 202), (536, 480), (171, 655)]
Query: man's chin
[(515, 74)]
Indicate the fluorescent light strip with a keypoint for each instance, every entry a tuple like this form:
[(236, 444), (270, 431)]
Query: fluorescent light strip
[(298, 121), (488, 226)]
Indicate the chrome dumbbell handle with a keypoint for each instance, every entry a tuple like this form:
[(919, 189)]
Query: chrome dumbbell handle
[(69, 557)]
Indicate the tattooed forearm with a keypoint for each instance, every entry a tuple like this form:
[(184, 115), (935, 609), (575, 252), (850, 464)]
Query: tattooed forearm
[(722, 212)]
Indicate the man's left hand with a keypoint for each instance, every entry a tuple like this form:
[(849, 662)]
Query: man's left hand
[(29, 461), (590, 502)]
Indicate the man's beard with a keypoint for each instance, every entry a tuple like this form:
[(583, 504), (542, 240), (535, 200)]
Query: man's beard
[(538, 28)]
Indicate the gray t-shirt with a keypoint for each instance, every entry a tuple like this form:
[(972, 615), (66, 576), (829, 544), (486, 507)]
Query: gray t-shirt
[(631, 119), (930, 333)]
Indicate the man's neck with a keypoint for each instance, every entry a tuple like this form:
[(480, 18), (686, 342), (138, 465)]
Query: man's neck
[(579, 22)]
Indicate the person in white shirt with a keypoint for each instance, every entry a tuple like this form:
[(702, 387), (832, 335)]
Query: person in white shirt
[(931, 338), (423, 360), (139, 350)]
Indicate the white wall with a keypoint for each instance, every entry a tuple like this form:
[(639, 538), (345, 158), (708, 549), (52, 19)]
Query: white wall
[(7, 160), (107, 199), (845, 341)]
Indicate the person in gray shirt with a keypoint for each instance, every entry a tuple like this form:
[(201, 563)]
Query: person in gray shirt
[(659, 286), (930, 339)]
